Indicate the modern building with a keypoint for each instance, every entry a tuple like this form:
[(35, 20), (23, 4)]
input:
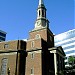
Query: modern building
[(43, 58), (67, 41), (2, 35)]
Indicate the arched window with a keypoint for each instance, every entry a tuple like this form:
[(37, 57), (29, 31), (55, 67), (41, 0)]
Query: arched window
[(42, 13), (39, 13), (32, 71), (32, 44), (4, 66)]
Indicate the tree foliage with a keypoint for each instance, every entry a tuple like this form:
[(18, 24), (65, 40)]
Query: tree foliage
[(71, 60)]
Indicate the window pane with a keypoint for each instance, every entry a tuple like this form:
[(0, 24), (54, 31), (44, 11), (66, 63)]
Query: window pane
[(4, 66), (32, 55), (32, 71), (6, 46)]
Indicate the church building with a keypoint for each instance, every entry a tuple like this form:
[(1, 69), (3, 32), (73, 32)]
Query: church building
[(37, 55)]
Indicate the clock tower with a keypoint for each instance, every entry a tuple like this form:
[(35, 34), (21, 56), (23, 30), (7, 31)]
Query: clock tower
[(39, 60), (41, 21), (41, 29)]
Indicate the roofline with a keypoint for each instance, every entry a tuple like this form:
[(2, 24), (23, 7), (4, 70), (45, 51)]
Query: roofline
[(10, 41), (65, 32), (3, 32)]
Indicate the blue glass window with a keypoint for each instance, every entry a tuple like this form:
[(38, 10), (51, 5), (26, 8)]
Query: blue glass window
[(68, 47), (70, 52), (65, 43), (2, 34)]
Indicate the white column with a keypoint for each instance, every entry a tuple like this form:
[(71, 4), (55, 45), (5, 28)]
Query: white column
[(55, 63)]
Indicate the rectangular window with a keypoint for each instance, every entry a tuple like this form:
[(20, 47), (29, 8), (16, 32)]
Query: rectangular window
[(42, 13), (32, 55), (51, 38), (32, 44), (32, 71), (39, 13), (2, 34), (6, 46)]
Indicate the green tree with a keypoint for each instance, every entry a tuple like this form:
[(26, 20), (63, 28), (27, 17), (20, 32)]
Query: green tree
[(71, 60)]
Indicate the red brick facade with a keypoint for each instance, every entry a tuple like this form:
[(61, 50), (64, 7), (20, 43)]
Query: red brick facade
[(11, 55)]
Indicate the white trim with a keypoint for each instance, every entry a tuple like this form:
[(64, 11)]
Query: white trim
[(32, 44), (55, 63), (66, 60), (8, 54), (35, 52)]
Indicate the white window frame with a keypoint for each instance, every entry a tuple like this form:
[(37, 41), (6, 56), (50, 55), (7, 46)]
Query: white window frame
[(32, 44), (32, 71)]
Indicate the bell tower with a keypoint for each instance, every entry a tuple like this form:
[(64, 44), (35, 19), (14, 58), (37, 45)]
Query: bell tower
[(41, 38), (41, 29), (41, 21)]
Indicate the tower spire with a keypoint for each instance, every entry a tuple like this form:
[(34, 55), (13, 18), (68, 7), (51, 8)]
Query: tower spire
[(41, 21), (41, 2)]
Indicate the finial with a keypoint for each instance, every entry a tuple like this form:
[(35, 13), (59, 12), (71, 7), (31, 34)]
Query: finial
[(41, 2)]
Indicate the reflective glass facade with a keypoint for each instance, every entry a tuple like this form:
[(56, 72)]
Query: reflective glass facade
[(2, 35), (67, 41)]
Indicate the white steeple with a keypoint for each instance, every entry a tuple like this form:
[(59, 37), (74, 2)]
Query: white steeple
[(41, 2), (41, 21)]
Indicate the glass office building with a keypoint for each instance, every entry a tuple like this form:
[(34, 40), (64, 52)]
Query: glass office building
[(2, 35), (67, 41)]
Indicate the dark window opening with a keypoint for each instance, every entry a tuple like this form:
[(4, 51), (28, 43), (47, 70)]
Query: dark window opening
[(42, 13), (32, 55), (32, 44), (39, 13), (2, 34), (32, 72), (6, 46), (1, 38)]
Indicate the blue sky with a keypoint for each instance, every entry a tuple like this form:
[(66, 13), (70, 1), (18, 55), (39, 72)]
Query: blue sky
[(17, 17)]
